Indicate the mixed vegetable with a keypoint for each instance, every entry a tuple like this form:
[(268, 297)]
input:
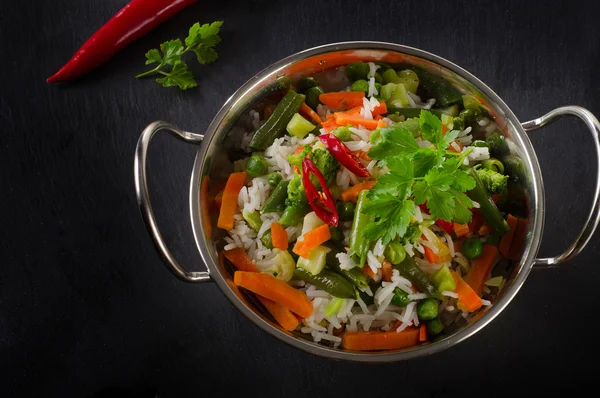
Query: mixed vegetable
[(370, 209)]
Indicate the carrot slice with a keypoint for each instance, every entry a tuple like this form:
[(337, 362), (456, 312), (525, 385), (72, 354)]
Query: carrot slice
[(518, 241), (350, 112), (240, 259), (434, 258), (232, 189), (467, 298), (381, 124), (386, 270), (342, 99), (311, 239), (423, 333), (282, 315), (279, 236), (379, 109), (480, 268), (507, 238), (329, 125), (373, 341), (461, 229), (307, 111), (275, 290), (351, 194), (342, 120)]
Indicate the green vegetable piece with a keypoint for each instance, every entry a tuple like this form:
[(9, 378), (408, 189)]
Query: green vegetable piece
[(400, 298), (305, 83), (312, 96), (368, 300), (378, 88), (275, 203), (257, 166), (411, 271), (333, 306), (274, 178), (357, 71), (514, 167), (480, 144), (359, 245), (390, 76), (411, 112), (346, 210), (336, 234), (443, 279), (378, 78), (275, 126), (386, 91), (458, 124), (361, 86), (253, 219), (412, 125), (292, 215), (493, 164), (354, 275), (487, 207), (299, 127), (470, 102), (435, 327), (332, 283), (399, 97), (410, 80), (335, 191), (395, 252), (295, 159), (472, 248), (439, 88), (342, 133), (427, 309), (315, 261), (493, 181), (326, 163), (447, 120), (267, 239), (469, 116), (452, 110), (411, 235), (281, 266), (498, 145)]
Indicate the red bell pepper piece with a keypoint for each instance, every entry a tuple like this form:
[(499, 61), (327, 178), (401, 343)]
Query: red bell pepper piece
[(447, 226), (322, 203), (344, 155), (133, 21)]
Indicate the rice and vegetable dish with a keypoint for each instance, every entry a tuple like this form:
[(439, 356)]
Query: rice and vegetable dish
[(371, 210)]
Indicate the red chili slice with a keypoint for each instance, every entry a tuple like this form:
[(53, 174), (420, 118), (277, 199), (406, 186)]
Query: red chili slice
[(323, 203), (343, 155)]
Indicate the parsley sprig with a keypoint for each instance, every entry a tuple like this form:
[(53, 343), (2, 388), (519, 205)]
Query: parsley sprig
[(417, 175), (201, 40)]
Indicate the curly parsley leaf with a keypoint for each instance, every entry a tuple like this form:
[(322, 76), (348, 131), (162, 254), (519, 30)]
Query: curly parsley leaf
[(394, 218), (395, 141), (397, 182), (424, 160), (447, 139), (201, 40), (431, 127)]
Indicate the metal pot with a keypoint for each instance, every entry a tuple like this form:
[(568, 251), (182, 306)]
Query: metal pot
[(212, 165)]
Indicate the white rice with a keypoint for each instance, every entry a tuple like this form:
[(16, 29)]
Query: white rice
[(418, 214), (372, 89), (449, 294), (476, 204), (379, 248), (373, 262), (361, 134), (486, 303), (372, 69), (365, 111), (346, 261), (417, 296), (409, 249)]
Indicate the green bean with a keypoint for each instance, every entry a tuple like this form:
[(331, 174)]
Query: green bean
[(293, 215), (472, 248), (360, 85), (342, 133), (276, 201), (395, 252), (346, 210), (439, 88), (357, 71), (267, 239), (493, 164), (332, 283), (274, 179), (434, 327), (359, 246), (252, 219), (256, 166), (400, 298), (487, 207), (411, 271), (275, 126), (498, 145), (305, 83), (312, 96), (354, 275), (427, 309)]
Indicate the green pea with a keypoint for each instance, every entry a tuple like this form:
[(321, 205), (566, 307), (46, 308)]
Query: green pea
[(312, 96), (267, 240), (435, 327), (400, 298), (458, 123), (378, 78), (274, 179), (257, 166), (427, 309), (346, 210), (305, 83), (494, 165), (481, 144), (360, 85), (469, 115), (395, 252), (498, 144), (472, 248), (357, 71), (342, 133), (336, 234)]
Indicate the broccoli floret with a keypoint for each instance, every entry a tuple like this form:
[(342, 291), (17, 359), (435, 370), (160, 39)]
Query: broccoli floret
[(411, 235), (296, 158), (326, 163), (296, 194), (493, 181)]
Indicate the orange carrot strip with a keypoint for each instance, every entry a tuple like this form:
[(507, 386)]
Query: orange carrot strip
[(379, 109), (369, 272), (232, 189), (342, 120), (372, 341), (282, 315), (351, 194), (423, 333), (519, 239), (342, 99), (329, 125), (240, 259), (434, 258), (480, 268), (307, 111), (381, 124), (350, 112), (279, 236), (219, 199), (311, 239), (467, 298), (507, 238), (461, 229), (386, 270), (275, 290)]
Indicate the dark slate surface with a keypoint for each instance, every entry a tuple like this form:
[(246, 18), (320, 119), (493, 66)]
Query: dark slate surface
[(88, 310)]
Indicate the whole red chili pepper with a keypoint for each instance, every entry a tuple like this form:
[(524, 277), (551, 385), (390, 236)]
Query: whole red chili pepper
[(447, 226), (319, 202), (133, 21), (344, 155)]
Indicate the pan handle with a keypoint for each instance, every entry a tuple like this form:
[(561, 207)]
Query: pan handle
[(143, 198), (593, 218)]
